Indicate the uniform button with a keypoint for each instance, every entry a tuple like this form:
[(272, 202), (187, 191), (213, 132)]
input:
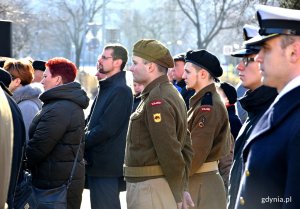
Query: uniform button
[(242, 201), (247, 173)]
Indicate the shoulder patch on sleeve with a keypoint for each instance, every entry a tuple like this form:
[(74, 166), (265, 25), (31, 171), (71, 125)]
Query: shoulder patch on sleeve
[(207, 99), (156, 102), (205, 108)]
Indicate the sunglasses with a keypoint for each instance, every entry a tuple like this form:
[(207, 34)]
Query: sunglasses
[(247, 60)]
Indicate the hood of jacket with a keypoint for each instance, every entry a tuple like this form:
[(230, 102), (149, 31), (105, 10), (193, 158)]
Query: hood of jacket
[(70, 91), (28, 92)]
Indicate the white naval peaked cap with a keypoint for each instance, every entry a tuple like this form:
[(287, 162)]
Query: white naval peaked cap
[(249, 31), (274, 21), (278, 20)]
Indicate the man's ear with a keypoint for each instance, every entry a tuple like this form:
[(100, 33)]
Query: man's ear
[(203, 73), (118, 62), (295, 52), (151, 66)]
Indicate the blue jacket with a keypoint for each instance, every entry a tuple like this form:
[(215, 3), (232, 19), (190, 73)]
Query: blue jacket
[(106, 130), (185, 93), (271, 157)]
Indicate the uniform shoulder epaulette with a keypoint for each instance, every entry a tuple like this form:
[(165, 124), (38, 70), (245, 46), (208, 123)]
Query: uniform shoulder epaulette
[(207, 99)]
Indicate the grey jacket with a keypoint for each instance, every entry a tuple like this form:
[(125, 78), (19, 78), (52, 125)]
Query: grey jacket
[(27, 99)]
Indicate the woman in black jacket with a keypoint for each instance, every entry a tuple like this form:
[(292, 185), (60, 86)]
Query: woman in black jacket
[(57, 131)]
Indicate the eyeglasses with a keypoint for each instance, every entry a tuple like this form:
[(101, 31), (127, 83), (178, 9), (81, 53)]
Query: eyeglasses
[(105, 58), (247, 60)]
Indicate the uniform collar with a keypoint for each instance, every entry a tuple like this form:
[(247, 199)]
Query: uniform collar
[(290, 86), (194, 99), (153, 84), (117, 78)]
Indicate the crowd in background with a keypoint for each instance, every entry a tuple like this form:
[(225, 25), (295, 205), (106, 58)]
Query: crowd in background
[(180, 138)]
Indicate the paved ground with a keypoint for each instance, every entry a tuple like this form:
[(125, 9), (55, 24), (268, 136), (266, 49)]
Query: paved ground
[(85, 204)]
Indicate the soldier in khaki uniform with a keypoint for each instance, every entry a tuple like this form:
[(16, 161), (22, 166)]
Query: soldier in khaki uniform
[(209, 127), (158, 150)]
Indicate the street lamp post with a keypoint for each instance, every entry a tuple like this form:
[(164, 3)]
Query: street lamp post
[(94, 42)]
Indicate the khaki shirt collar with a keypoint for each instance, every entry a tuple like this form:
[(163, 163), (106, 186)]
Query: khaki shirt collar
[(153, 84), (195, 99)]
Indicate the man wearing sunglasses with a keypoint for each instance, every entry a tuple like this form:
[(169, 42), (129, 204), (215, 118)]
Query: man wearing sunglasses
[(255, 101), (106, 129)]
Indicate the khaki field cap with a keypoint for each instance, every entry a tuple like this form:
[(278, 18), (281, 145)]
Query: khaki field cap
[(153, 51)]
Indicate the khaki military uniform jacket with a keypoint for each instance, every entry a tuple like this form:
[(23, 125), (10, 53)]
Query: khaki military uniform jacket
[(158, 135), (209, 127)]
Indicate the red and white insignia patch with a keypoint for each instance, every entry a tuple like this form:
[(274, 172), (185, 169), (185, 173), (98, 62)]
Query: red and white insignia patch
[(156, 103), (205, 108)]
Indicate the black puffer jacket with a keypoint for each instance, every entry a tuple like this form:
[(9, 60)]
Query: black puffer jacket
[(54, 136)]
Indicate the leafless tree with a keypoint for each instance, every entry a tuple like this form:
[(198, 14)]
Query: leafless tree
[(159, 22), (19, 13), (291, 4), (209, 18), (72, 18)]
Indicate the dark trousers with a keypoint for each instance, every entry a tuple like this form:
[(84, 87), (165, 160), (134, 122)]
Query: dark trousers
[(104, 192)]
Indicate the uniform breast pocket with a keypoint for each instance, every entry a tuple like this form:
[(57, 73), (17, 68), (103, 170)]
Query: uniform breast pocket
[(135, 127)]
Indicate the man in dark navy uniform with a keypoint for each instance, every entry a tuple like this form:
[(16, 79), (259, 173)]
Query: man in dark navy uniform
[(271, 154)]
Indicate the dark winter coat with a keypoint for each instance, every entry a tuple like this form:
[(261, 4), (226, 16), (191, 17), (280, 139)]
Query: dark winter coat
[(106, 130), (54, 138), (255, 103), (136, 101), (185, 93), (234, 120), (19, 137)]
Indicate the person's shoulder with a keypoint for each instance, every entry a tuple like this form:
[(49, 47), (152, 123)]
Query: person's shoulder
[(122, 88), (164, 91), (207, 99)]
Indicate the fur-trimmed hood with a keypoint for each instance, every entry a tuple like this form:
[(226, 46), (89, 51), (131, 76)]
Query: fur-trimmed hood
[(28, 92)]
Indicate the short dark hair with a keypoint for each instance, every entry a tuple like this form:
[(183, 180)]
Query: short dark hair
[(119, 52), (160, 68), (287, 40), (198, 68)]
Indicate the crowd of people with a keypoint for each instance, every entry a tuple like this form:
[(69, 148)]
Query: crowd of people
[(176, 140)]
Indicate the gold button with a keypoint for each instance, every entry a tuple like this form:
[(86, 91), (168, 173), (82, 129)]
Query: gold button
[(242, 201), (247, 173)]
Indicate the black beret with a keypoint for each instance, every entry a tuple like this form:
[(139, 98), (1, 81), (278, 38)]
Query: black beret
[(179, 57), (206, 60), (39, 65), (5, 77), (230, 92)]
